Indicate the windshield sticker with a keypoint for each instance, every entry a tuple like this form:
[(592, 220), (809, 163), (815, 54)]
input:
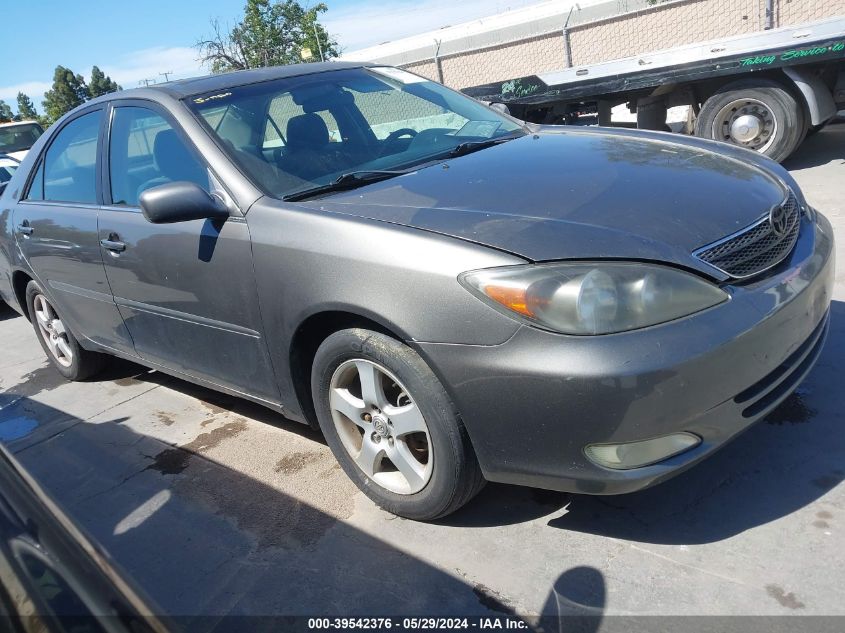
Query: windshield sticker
[(217, 97), (396, 74), (766, 60)]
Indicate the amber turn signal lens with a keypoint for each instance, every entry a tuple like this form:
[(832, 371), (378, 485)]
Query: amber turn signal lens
[(510, 297)]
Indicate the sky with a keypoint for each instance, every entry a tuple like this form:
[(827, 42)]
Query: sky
[(132, 41)]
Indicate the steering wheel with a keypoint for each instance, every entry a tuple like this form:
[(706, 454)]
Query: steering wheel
[(394, 136)]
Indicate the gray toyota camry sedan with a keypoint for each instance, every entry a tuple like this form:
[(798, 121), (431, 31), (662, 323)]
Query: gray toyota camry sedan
[(451, 295)]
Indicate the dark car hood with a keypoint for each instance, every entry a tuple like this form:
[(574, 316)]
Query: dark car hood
[(578, 194)]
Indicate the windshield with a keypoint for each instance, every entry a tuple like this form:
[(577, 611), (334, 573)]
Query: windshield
[(291, 135), (16, 138)]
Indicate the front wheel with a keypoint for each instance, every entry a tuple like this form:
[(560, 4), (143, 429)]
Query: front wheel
[(760, 115), (61, 347), (391, 425)]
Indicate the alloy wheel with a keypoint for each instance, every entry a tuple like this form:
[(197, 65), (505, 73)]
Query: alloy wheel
[(381, 426), (52, 331)]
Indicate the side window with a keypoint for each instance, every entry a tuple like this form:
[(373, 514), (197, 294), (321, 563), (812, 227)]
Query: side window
[(68, 171), (144, 152)]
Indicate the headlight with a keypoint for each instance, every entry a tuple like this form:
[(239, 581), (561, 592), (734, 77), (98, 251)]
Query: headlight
[(594, 297)]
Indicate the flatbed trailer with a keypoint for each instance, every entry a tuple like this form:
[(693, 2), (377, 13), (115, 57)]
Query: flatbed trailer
[(765, 91)]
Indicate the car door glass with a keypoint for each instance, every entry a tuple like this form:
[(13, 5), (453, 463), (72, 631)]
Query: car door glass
[(146, 151), (68, 171)]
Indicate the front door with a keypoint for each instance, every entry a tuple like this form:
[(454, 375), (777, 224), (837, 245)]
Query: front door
[(56, 225), (186, 290)]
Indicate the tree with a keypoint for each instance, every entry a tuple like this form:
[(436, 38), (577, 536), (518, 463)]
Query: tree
[(69, 90), (271, 33), (26, 109), (101, 84), (5, 111)]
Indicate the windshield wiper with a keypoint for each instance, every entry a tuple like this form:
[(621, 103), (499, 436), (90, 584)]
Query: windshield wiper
[(468, 147), (348, 181)]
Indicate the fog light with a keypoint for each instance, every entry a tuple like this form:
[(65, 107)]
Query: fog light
[(643, 453)]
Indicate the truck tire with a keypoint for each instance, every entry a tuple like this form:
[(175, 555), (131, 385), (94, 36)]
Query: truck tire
[(760, 114)]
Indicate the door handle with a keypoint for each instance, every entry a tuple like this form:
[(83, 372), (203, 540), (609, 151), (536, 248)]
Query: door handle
[(113, 245), (25, 229)]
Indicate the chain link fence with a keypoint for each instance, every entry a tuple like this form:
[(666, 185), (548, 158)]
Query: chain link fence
[(602, 32)]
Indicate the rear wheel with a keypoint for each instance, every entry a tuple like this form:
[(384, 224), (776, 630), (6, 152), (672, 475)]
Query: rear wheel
[(392, 426), (61, 347), (760, 115)]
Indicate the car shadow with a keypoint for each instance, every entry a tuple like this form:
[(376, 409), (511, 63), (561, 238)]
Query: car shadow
[(126, 373), (206, 540), (6, 312), (824, 147), (501, 504)]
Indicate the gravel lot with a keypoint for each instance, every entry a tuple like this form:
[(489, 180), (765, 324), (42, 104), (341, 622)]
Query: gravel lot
[(217, 506)]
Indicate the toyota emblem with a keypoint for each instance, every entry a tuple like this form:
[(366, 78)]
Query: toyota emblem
[(779, 220)]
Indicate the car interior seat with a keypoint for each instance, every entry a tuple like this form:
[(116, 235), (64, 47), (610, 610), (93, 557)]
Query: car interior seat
[(174, 163)]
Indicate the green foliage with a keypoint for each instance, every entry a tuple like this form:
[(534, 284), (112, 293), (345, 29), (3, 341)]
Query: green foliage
[(69, 90), (26, 109), (101, 84), (5, 112), (316, 38), (271, 33)]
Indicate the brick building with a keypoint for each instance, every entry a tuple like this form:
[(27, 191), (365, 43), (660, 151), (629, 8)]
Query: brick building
[(554, 34)]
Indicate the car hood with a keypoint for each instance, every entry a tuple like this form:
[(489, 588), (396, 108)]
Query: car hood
[(580, 194)]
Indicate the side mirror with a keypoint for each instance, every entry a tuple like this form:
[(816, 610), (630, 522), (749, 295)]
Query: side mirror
[(180, 202)]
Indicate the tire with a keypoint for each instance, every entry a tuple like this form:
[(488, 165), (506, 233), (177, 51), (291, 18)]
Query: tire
[(774, 111), (445, 473), (57, 341)]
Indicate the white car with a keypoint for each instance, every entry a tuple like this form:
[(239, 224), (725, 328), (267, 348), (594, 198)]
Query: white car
[(8, 165), (17, 137)]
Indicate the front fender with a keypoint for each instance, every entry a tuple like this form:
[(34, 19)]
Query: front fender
[(309, 261)]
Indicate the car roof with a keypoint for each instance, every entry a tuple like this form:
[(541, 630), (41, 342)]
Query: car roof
[(16, 123), (182, 88)]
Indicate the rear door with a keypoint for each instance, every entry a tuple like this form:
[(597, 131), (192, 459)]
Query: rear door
[(56, 226), (186, 290)]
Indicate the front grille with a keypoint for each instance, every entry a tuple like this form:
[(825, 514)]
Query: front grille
[(755, 248)]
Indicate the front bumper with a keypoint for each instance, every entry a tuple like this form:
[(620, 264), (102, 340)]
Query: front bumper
[(533, 403)]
